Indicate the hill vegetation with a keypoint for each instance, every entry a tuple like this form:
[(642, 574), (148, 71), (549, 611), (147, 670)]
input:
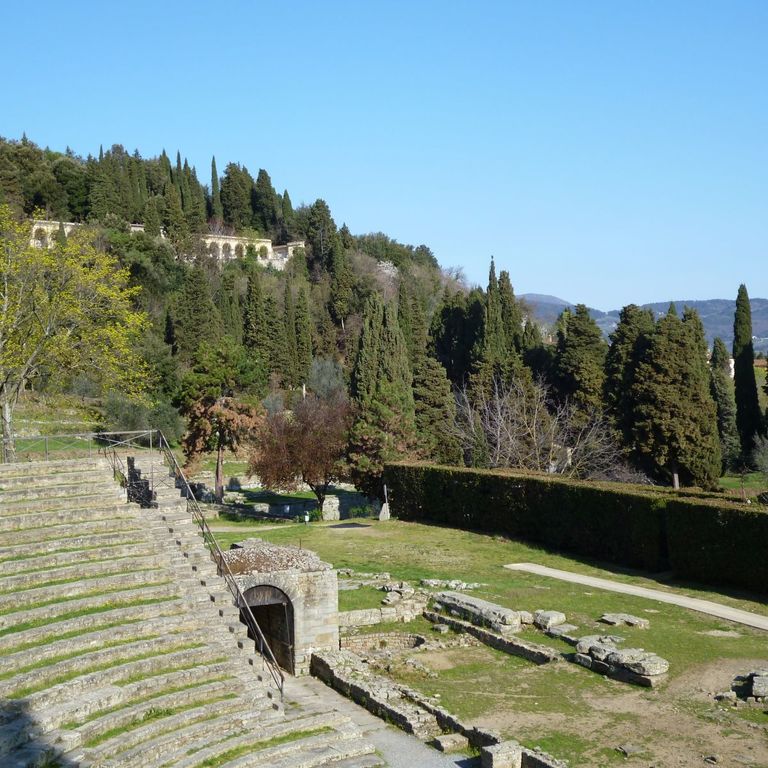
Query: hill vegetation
[(421, 365)]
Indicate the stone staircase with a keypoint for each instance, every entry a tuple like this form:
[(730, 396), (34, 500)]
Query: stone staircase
[(120, 645)]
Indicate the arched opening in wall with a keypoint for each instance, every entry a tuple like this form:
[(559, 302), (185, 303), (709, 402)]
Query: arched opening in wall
[(273, 612), (239, 253), (213, 249), (41, 238), (226, 251)]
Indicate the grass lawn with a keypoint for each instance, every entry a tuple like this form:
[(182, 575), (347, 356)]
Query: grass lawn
[(571, 712)]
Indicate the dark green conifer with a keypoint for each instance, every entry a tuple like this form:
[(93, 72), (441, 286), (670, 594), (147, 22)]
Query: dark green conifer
[(152, 217), (511, 315), (748, 417), (303, 337), (341, 287), (721, 387), (196, 318), (229, 307), (384, 427), (435, 412), (628, 342), (175, 223), (675, 430), (289, 323), (579, 361), (275, 342), (217, 212)]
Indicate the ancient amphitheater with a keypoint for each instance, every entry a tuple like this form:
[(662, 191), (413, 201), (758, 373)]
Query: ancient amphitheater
[(121, 646)]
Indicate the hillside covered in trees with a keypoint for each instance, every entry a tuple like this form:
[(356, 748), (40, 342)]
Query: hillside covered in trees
[(367, 340)]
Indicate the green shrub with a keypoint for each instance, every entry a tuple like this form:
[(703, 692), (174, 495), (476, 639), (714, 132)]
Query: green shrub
[(701, 535)]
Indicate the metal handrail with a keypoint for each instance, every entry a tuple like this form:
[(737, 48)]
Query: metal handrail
[(222, 566), (111, 441)]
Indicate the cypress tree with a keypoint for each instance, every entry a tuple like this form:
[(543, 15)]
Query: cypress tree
[(579, 361), (721, 387), (384, 427), (341, 287), (196, 318), (675, 430), (289, 323), (435, 412), (217, 211), (266, 211), (275, 342), (748, 416), (287, 218), (511, 315), (303, 337), (175, 223), (628, 342), (151, 217), (229, 307)]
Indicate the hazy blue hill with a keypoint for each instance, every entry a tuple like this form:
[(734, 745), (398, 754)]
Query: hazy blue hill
[(716, 314)]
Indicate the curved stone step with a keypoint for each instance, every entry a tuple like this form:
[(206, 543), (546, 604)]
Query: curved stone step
[(40, 479), (102, 710), (25, 551), (161, 670), (59, 560), (64, 532), (54, 466), (102, 486), (116, 497), (85, 570), (26, 520), (128, 577), (157, 741), (90, 640), (140, 592), (342, 741)]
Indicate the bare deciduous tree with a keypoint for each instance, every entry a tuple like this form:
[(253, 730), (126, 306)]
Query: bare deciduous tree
[(519, 425)]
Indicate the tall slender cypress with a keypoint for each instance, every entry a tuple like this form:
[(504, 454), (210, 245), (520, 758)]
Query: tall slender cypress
[(217, 211), (721, 386), (303, 324), (748, 417)]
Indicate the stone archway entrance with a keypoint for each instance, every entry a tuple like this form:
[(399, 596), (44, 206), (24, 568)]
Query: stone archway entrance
[(273, 611)]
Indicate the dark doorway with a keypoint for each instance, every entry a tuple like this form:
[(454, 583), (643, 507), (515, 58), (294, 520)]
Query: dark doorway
[(273, 612)]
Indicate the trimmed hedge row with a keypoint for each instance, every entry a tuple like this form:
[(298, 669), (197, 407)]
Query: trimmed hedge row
[(700, 537)]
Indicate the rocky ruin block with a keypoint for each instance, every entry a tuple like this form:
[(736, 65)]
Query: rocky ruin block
[(586, 642), (583, 660), (548, 619), (480, 612), (562, 629), (526, 617), (627, 619), (507, 754), (760, 686), (599, 651), (450, 742), (650, 666)]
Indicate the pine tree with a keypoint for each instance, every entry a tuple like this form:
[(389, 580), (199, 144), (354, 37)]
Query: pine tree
[(579, 361), (675, 430), (384, 427), (217, 211), (303, 337), (628, 342), (721, 387), (748, 417)]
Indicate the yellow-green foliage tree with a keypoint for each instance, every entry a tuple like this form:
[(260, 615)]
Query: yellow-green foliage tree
[(63, 310)]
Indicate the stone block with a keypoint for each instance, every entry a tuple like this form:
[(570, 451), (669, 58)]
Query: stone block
[(548, 619), (450, 742), (627, 619), (760, 686), (526, 617), (507, 754)]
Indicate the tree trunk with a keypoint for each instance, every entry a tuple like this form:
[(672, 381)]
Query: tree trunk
[(219, 483), (9, 443)]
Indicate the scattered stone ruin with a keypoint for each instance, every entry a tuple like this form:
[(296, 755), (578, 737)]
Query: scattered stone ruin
[(293, 596)]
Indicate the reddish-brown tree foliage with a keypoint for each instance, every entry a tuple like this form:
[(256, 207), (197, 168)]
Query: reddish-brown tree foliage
[(307, 445)]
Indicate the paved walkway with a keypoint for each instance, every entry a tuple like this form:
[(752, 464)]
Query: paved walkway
[(399, 749), (695, 604)]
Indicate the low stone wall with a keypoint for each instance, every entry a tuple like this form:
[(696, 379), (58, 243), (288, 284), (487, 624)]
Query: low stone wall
[(628, 665), (478, 612), (381, 641), (405, 610), (538, 654)]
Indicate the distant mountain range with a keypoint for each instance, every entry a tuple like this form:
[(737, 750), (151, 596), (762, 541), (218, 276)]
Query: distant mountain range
[(716, 314)]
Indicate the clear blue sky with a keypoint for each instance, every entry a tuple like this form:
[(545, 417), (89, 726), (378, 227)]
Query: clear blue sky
[(605, 152)]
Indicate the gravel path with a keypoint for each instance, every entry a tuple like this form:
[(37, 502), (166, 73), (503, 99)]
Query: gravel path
[(399, 749), (695, 604)]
